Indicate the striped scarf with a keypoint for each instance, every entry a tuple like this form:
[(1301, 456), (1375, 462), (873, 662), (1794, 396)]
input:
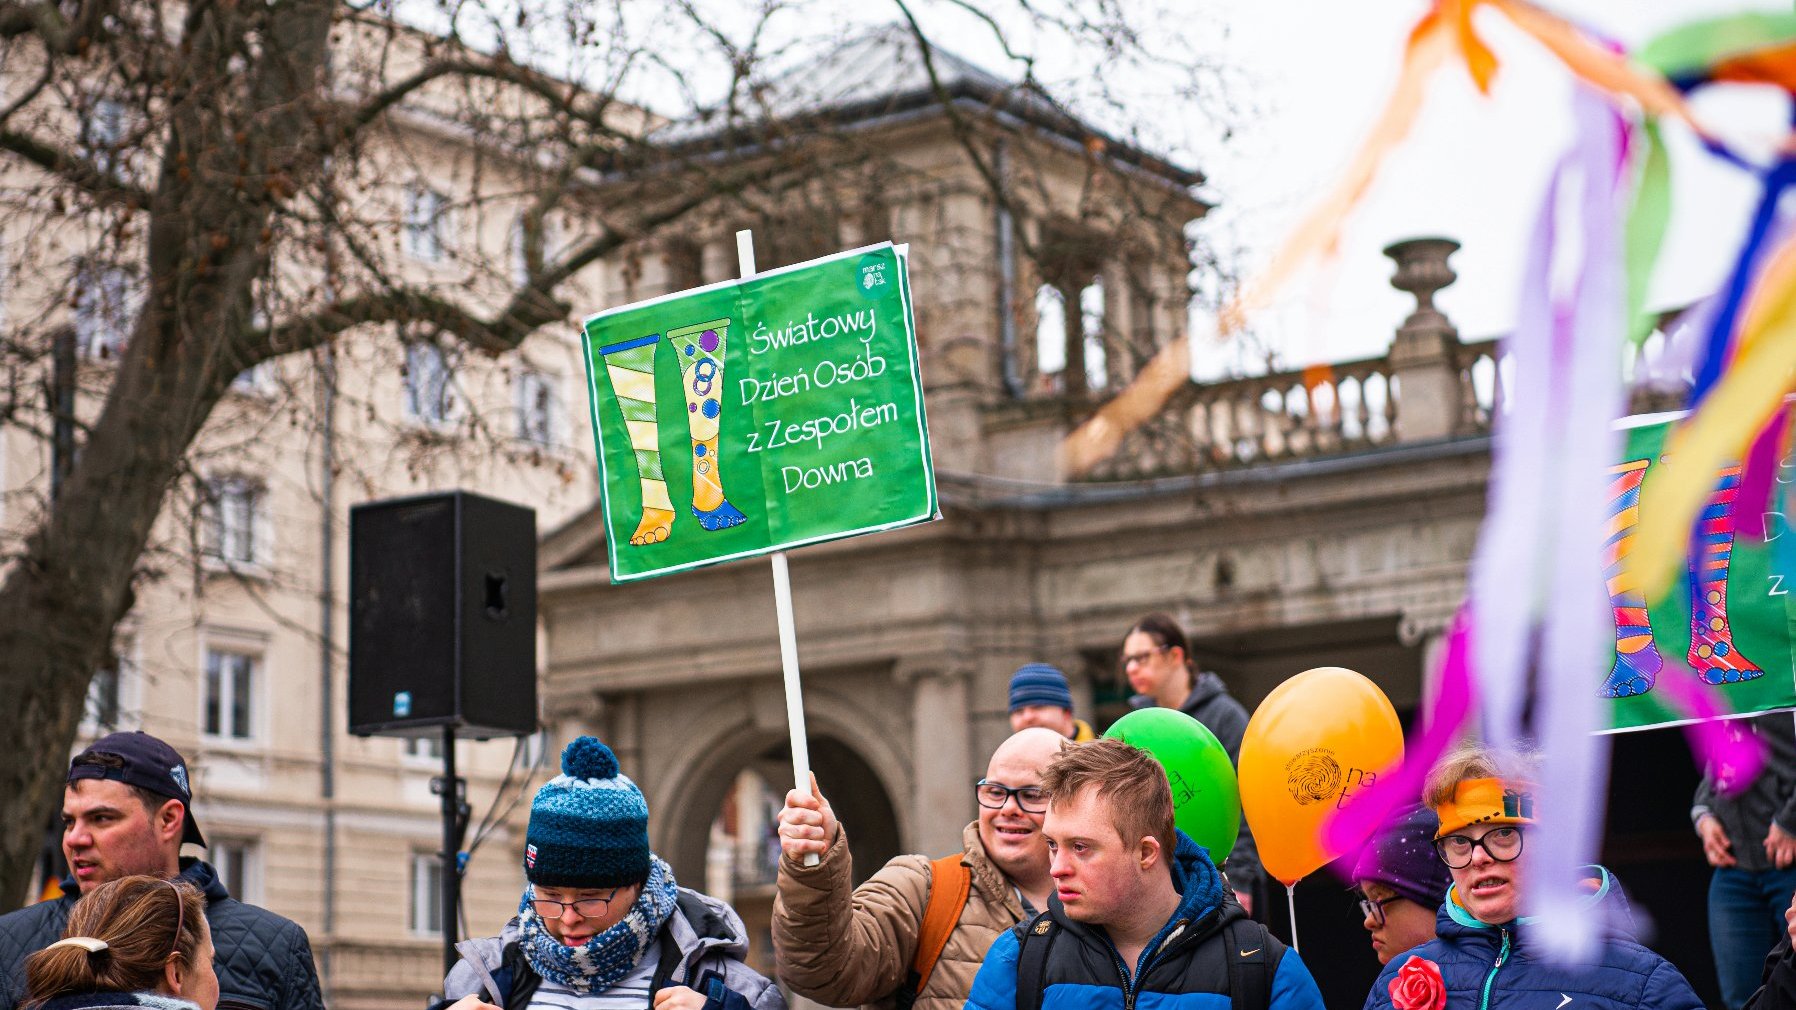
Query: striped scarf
[(608, 957)]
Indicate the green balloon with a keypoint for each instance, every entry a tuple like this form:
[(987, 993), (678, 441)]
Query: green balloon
[(1206, 800)]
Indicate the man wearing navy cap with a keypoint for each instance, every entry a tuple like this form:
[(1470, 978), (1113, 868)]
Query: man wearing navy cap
[(127, 810), (1039, 696)]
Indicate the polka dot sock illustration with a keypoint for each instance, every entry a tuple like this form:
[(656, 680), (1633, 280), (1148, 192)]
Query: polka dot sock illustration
[(700, 349), (1712, 652), (630, 365)]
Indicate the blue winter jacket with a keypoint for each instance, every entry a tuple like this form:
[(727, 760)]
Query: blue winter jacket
[(1085, 970), (1496, 967)]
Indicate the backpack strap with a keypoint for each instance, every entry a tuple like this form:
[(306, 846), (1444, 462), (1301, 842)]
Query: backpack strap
[(1253, 954), (950, 883), (668, 953), (1034, 941)]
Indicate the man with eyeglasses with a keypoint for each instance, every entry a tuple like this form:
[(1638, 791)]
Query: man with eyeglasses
[(845, 946), (1156, 660), (1488, 954), (1401, 883)]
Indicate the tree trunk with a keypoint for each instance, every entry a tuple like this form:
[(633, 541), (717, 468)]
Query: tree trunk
[(60, 603)]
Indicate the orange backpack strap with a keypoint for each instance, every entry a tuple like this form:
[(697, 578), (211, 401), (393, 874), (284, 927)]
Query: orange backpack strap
[(950, 881)]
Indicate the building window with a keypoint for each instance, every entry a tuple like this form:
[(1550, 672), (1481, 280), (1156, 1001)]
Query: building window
[(104, 304), (538, 408), (520, 261), (102, 133), (427, 894), (235, 859), (424, 748), (426, 226), (1091, 326), (429, 384), (102, 700), (235, 528), (231, 684)]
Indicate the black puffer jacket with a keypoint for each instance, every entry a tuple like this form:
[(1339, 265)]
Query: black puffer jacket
[(264, 960)]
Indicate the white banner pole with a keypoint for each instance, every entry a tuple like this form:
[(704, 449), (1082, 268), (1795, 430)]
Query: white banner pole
[(782, 607)]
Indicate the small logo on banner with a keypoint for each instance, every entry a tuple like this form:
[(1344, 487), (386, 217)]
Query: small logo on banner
[(402, 704), (529, 857)]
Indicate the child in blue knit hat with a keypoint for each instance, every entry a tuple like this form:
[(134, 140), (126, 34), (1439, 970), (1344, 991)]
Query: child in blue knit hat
[(602, 925)]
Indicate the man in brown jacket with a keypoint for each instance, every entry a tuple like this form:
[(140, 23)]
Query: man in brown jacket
[(845, 948)]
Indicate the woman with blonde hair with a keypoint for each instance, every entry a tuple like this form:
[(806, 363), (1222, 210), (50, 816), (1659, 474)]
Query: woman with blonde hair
[(1486, 954), (133, 942)]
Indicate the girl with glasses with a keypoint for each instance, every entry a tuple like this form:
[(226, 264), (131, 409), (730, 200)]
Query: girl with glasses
[(1488, 954), (1401, 883)]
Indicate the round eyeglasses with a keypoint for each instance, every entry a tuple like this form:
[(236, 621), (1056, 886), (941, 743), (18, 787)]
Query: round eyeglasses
[(1503, 844), (585, 908), (1030, 799)]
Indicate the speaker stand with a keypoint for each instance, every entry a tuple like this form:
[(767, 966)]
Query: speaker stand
[(453, 790)]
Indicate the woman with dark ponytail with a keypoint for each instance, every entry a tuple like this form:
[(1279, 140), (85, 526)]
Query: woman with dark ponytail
[(134, 942)]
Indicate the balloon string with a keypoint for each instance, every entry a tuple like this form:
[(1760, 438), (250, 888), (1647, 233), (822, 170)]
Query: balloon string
[(1291, 903)]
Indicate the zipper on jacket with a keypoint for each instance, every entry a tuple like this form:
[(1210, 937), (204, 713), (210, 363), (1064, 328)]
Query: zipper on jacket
[(1130, 986), (1502, 955), (1122, 970)]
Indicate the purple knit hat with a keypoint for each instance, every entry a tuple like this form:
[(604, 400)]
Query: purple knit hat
[(1401, 857)]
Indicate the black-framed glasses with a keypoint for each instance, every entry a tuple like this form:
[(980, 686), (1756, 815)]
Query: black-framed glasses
[(585, 908), (1132, 658), (1373, 908), (1029, 799), (1504, 844)]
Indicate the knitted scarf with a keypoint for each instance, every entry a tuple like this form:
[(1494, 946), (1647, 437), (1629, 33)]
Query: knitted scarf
[(608, 957)]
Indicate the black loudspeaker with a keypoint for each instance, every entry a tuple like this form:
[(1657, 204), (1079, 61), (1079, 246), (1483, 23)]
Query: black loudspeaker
[(442, 617)]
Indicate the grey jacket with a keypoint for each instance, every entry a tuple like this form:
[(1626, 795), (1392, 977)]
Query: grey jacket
[(1747, 815), (706, 933), (1211, 704)]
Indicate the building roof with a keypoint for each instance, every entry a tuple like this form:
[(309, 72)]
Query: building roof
[(882, 75)]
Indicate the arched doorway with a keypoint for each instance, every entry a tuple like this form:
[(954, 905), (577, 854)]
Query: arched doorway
[(723, 840)]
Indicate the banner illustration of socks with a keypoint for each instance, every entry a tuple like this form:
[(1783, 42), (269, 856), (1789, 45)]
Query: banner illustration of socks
[(701, 354), (630, 365), (1637, 658), (1712, 652), (1713, 656)]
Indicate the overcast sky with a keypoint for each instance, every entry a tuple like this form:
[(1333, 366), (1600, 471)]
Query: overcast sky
[(1474, 170)]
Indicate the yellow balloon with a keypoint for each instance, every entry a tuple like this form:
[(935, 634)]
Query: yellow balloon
[(1316, 741)]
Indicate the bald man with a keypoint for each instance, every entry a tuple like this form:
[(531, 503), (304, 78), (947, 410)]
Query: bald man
[(844, 946)]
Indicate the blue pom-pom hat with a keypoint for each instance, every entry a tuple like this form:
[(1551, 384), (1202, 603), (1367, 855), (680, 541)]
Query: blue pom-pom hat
[(589, 826)]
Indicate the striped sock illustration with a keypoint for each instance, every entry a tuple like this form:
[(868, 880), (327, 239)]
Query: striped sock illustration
[(630, 364), (1637, 658), (701, 354), (1712, 652)]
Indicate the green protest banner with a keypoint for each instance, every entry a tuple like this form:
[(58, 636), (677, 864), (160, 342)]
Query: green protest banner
[(1727, 624), (757, 415)]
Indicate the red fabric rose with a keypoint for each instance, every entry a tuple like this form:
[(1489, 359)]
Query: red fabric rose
[(1418, 986)]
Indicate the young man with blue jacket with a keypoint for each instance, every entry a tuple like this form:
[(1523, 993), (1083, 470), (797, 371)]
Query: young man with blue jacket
[(1139, 912)]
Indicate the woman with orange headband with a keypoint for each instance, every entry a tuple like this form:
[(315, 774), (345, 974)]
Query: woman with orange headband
[(1485, 955)]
